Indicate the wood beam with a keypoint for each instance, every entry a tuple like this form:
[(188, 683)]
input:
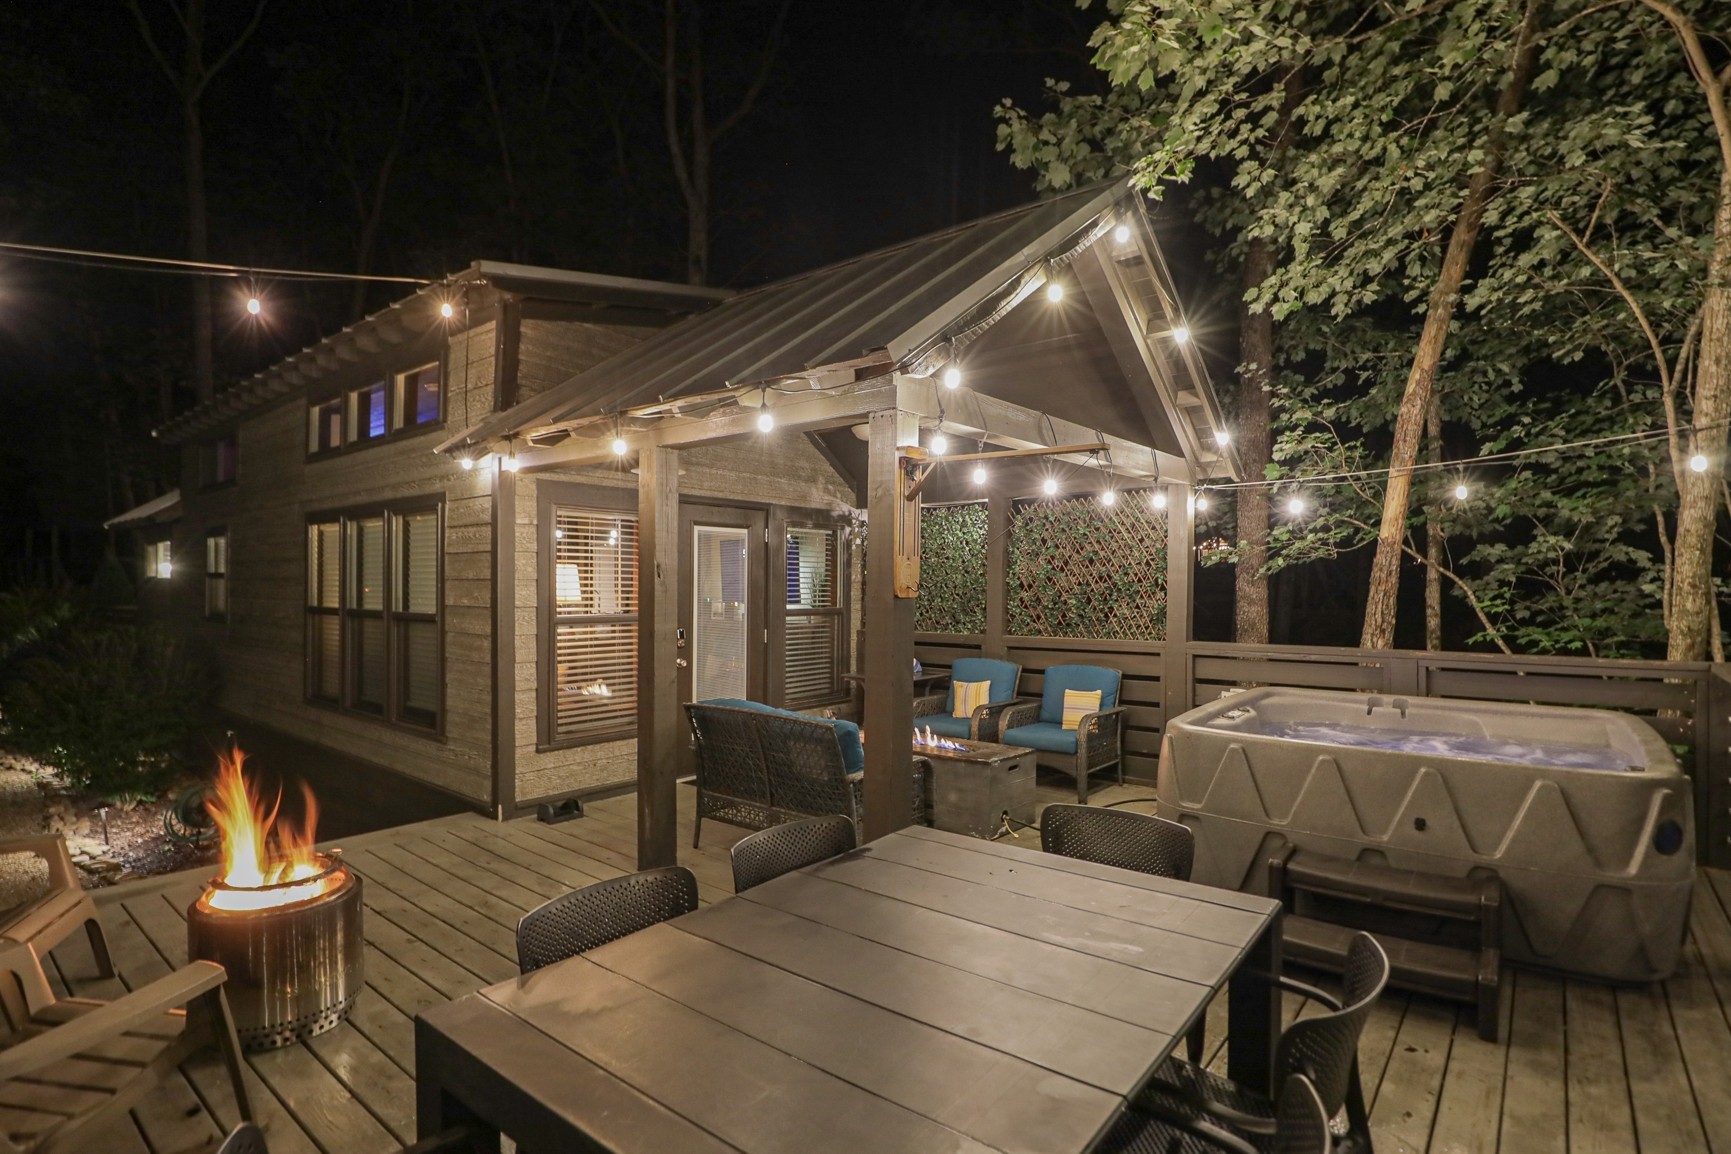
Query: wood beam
[(504, 647), (889, 636), (658, 714), (1175, 673)]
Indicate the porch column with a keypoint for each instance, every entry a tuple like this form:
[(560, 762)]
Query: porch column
[(1180, 559), (504, 639), (997, 573), (658, 720), (889, 641)]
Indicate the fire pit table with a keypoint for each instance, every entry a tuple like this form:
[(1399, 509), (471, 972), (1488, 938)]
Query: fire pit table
[(975, 784)]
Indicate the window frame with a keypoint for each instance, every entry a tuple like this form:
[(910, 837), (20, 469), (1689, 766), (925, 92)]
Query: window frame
[(154, 559), (347, 614), (839, 611), (346, 400), (602, 502), (213, 577), (210, 458), (401, 400)]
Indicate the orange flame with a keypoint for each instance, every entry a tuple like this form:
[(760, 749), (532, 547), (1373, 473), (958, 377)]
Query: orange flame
[(258, 850)]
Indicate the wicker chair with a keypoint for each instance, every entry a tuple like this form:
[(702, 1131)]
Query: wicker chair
[(936, 711), (50, 919), (792, 845), (581, 920), (1300, 1127), (80, 1064), (1097, 741), (1117, 837), (1324, 1049)]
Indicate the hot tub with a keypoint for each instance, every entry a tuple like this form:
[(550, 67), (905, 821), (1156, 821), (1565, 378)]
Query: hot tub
[(1583, 813)]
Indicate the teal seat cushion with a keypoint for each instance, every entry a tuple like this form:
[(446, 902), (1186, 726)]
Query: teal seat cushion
[(1045, 735), (943, 725), (846, 732), (1086, 678), (1002, 675)]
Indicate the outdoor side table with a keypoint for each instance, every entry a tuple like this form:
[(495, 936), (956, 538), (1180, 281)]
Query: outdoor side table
[(973, 787), (925, 992)]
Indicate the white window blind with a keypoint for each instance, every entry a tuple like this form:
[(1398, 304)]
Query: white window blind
[(216, 575), (594, 603), (718, 641), (814, 618)]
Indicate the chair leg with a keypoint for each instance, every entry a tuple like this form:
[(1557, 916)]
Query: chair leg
[(99, 947), (221, 1025), (1196, 1041), (696, 829)]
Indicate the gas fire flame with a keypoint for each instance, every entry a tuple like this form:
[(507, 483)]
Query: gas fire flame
[(926, 739), (258, 848)]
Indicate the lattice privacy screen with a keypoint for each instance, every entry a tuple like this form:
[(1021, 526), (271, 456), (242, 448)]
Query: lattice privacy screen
[(952, 570), (1077, 568)]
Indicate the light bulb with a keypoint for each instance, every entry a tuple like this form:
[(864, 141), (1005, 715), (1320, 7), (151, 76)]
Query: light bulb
[(1698, 463), (1109, 498), (619, 446), (1051, 486), (1460, 492), (952, 377), (1181, 335), (979, 474), (253, 306), (446, 311), (765, 422), (1054, 291), (1201, 503), (509, 464), (1222, 437), (468, 463), (940, 443), (1296, 506), (1158, 500), (1121, 233)]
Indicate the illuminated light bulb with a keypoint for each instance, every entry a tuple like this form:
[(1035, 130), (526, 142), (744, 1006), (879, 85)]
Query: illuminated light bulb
[(1158, 500), (1181, 335), (1051, 486), (1222, 437), (979, 474), (468, 463), (1460, 492), (1698, 463), (509, 464), (1121, 233), (253, 306), (1296, 506), (446, 311), (765, 422), (1201, 503), (952, 378), (940, 443), (1109, 498), (619, 446), (1054, 292)]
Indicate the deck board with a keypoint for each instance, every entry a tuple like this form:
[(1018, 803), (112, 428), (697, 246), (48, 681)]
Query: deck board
[(1586, 1069)]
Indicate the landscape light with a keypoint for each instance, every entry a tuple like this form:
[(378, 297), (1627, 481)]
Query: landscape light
[(952, 377), (1158, 500), (979, 474), (1109, 498), (1054, 292), (446, 311), (1051, 486), (1698, 462), (1460, 492), (940, 443), (619, 446), (1181, 335), (253, 306)]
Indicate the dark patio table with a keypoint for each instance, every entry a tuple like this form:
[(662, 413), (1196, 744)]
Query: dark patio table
[(925, 992)]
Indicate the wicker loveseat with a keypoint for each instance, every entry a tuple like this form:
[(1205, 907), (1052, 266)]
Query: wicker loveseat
[(758, 766)]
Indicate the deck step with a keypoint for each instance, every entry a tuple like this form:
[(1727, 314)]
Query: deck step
[(1370, 882), (1444, 971)]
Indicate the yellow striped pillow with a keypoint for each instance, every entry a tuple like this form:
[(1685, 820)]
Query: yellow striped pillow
[(970, 695), (1079, 703)]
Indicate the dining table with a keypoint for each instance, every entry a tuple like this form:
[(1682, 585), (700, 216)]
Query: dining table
[(926, 991)]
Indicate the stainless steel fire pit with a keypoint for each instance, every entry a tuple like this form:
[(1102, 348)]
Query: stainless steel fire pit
[(294, 962)]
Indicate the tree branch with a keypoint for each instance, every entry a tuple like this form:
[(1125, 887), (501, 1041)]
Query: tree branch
[(772, 46), (1702, 69), (150, 43), (210, 72)]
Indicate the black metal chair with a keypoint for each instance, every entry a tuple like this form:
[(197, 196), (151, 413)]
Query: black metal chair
[(1323, 1048), (583, 919), (1300, 1127), (1117, 837), (769, 853)]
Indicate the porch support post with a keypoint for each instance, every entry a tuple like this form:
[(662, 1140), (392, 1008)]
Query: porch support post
[(1180, 561), (997, 574), (889, 640), (658, 717), (504, 656)]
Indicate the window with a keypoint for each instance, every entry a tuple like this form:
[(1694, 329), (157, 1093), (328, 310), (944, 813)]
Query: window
[(594, 624), (325, 427), (373, 597), (367, 413), (158, 560), (222, 461), (814, 617), (418, 397), (216, 573)]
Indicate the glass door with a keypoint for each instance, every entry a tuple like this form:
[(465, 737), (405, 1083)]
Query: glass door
[(721, 650)]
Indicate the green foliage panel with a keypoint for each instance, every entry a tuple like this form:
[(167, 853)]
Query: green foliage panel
[(1078, 568), (952, 570)]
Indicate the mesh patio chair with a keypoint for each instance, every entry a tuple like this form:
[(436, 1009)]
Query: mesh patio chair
[(1117, 837), (584, 919), (1300, 1127), (769, 853), (1324, 1049)]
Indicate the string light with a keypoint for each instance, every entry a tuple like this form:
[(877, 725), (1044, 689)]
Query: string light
[(1295, 506), (254, 306), (940, 443), (952, 377), (1055, 292), (1181, 335), (1698, 462), (620, 447), (1222, 437), (1109, 498), (1121, 233), (1460, 492), (765, 422), (468, 463), (1051, 486), (979, 474), (1158, 500), (1202, 502), (446, 311)]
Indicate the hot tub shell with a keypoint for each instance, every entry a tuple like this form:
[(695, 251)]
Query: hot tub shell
[(1589, 887)]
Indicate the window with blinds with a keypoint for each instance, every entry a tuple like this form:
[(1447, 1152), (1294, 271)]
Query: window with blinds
[(814, 620), (593, 605), (216, 574), (373, 598)]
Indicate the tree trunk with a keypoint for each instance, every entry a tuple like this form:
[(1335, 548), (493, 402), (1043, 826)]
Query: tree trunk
[(1256, 354), (1433, 537), (697, 199), (1384, 589)]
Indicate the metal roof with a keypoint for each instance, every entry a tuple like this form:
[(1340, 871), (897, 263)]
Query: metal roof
[(895, 302)]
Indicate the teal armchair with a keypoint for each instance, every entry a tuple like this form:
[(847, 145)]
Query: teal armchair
[(1097, 743), (937, 710)]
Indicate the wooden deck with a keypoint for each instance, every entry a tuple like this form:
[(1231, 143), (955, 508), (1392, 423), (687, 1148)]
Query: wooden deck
[(1585, 1069)]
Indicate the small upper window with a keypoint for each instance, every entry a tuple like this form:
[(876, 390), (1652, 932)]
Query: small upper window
[(216, 573), (418, 397), (325, 428), (158, 560), (367, 413), (223, 461)]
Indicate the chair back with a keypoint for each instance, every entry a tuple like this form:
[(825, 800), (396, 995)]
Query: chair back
[(729, 755), (583, 919), (792, 845), (1086, 678), (807, 769), (1325, 1048), (1117, 837), (1002, 674), (245, 1138), (1301, 1120)]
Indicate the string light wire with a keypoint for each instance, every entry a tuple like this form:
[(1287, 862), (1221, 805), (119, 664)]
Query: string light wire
[(133, 263)]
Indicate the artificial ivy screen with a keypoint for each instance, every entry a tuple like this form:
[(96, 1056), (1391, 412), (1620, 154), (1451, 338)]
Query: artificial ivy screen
[(952, 570), (1080, 568)]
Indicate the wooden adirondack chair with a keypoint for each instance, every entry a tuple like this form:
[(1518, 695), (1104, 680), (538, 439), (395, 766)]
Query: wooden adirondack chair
[(70, 1066), (50, 919)]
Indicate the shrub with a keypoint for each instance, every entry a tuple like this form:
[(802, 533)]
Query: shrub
[(30, 615), (112, 707)]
